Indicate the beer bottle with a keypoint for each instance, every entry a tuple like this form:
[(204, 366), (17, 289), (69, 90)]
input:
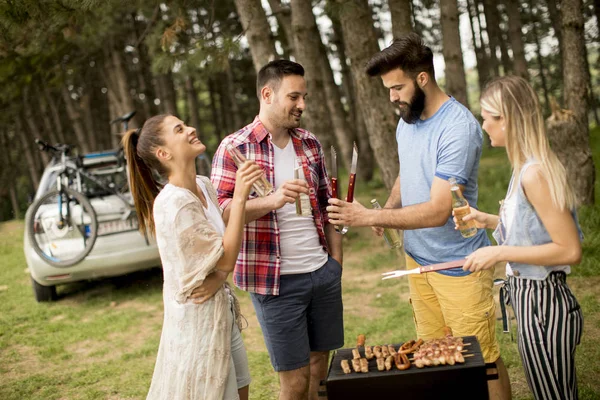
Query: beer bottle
[(262, 187), (461, 208), (391, 236), (303, 208)]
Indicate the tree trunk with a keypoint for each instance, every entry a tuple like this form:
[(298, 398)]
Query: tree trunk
[(35, 131), (145, 77), (232, 95), (493, 31), (574, 142), (401, 17), (515, 32), (483, 69), (217, 120), (284, 21), (85, 108), (192, 104), (224, 104), (76, 123), (456, 82), (55, 114), (9, 171), (308, 53), (257, 30), (120, 76), (378, 113), (540, 60), (25, 140), (166, 90), (505, 58)]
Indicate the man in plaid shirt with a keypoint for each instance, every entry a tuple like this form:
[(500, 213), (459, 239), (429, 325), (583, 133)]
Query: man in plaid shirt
[(290, 264)]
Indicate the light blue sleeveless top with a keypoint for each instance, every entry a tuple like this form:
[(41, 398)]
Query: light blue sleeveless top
[(527, 229)]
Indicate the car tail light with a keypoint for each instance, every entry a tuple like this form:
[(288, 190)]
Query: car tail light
[(58, 277)]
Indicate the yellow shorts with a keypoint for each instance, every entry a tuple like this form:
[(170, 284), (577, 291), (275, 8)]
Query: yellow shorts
[(465, 304)]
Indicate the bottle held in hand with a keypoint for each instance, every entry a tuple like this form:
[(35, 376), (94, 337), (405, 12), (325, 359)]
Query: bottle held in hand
[(461, 208), (303, 208), (262, 187), (391, 236)]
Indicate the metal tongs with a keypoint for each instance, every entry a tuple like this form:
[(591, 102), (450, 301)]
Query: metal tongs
[(421, 270), (351, 181)]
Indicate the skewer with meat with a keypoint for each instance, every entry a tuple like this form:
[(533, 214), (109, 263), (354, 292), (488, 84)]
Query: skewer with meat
[(346, 367), (360, 340), (364, 365), (369, 353), (356, 364)]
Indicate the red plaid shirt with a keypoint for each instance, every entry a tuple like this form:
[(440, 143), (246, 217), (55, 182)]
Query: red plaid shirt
[(258, 265)]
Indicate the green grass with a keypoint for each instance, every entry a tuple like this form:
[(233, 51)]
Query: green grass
[(100, 339)]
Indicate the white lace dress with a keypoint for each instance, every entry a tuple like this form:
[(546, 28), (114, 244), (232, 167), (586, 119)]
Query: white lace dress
[(194, 355)]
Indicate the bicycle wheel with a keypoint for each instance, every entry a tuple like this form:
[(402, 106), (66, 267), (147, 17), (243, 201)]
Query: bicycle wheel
[(62, 227)]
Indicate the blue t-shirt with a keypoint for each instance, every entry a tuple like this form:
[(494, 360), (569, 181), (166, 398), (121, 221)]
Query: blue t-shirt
[(446, 145)]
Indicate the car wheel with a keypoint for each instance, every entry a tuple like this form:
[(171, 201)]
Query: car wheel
[(43, 293)]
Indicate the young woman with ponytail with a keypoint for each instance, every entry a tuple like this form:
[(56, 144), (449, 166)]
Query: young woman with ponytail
[(539, 238), (201, 353)]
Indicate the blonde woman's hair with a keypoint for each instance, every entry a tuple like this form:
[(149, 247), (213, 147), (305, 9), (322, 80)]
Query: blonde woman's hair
[(514, 99)]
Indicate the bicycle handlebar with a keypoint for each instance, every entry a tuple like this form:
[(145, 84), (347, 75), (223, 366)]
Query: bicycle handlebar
[(56, 149)]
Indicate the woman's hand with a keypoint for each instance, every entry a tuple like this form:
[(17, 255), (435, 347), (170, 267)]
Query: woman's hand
[(479, 217), (209, 287), (245, 177), (483, 258)]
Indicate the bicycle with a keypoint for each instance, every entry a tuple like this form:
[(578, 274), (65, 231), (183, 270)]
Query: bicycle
[(62, 224)]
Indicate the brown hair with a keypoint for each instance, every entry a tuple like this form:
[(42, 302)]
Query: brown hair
[(140, 146), (408, 53)]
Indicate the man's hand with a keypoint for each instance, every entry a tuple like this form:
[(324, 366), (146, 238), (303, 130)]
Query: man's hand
[(288, 192), (209, 287), (347, 214), (377, 230)]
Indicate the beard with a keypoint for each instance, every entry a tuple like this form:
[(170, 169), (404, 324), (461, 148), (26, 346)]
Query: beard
[(411, 112)]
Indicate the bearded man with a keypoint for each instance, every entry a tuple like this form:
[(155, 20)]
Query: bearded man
[(438, 139)]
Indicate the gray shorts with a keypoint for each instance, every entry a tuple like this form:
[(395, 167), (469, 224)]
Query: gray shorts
[(306, 316), (239, 373)]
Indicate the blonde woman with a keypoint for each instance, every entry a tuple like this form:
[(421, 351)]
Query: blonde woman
[(201, 354), (539, 238)]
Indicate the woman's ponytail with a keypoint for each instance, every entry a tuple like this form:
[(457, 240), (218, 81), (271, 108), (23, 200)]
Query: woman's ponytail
[(144, 187)]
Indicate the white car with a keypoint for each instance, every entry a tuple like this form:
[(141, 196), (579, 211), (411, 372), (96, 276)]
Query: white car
[(119, 248)]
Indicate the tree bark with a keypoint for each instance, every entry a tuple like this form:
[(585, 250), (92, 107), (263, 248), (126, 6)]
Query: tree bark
[(456, 82), (284, 21), (515, 32), (317, 116), (483, 69), (574, 145), (378, 113), (257, 30), (401, 17), (493, 32)]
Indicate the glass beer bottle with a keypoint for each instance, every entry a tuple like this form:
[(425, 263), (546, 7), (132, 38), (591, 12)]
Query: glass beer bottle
[(461, 208), (303, 208), (391, 236), (262, 187)]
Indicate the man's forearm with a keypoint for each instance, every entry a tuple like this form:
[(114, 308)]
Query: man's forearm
[(255, 209), (418, 216), (334, 242), (395, 199)]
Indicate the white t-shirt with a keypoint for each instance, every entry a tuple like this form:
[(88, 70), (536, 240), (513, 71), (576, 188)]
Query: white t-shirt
[(213, 214), (301, 250)]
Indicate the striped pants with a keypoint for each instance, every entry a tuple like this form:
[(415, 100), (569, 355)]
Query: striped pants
[(550, 323)]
